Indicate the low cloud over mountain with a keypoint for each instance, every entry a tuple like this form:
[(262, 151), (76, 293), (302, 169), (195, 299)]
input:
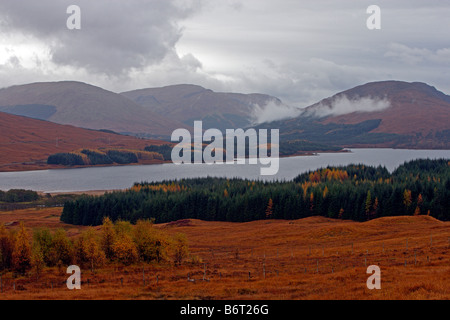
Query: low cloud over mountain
[(341, 104)]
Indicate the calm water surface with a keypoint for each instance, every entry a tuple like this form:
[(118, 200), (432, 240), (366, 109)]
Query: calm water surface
[(108, 178)]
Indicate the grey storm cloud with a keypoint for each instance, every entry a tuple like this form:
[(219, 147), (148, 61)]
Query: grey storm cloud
[(298, 51), (115, 35)]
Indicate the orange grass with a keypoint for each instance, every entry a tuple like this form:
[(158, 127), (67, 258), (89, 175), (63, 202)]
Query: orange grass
[(288, 251)]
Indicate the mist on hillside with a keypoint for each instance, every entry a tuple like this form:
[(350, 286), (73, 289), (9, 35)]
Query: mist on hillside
[(339, 105), (343, 105), (273, 111)]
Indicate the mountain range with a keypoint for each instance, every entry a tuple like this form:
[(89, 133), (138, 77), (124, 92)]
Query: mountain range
[(377, 114), (187, 103), (85, 106)]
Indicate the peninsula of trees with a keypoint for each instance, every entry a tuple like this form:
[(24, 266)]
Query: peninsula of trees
[(357, 192)]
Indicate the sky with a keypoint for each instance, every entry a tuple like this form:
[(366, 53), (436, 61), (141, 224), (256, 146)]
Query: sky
[(298, 51)]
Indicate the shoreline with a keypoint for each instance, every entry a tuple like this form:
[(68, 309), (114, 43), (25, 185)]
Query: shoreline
[(78, 193), (99, 189), (40, 165)]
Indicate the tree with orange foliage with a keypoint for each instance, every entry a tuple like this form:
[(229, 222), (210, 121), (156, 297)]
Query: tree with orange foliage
[(125, 251), (419, 204), (269, 209), (305, 186), (419, 199), (311, 201), (21, 256), (341, 213), (325, 192), (314, 176)]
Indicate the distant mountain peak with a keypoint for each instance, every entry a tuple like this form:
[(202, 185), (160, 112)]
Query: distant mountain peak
[(389, 92), (393, 87), (414, 111), (188, 102)]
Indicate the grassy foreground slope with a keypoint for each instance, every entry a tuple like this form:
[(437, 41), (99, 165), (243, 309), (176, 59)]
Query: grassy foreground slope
[(311, 258)]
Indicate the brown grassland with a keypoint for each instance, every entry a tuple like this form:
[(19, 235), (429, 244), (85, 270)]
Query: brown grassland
[(26, 143), (312, 258)]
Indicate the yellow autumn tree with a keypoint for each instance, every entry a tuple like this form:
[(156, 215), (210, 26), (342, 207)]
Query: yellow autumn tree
[(151, 243), (62, 246), (124, 247), (107, 238), (89, 250), (125, 250), (407, 198), (325, 192), (21, 256)]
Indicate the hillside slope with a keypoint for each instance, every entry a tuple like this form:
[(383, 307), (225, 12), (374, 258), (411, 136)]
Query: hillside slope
[(415, 108), (386, 113), (26, 143), (311, 258)]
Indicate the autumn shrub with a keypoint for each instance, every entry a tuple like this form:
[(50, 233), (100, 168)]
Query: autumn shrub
[(119, 242), (151, 243), (180, 248)]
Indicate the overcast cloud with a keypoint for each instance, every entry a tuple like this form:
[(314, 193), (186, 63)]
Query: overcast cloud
[(299, 51)]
